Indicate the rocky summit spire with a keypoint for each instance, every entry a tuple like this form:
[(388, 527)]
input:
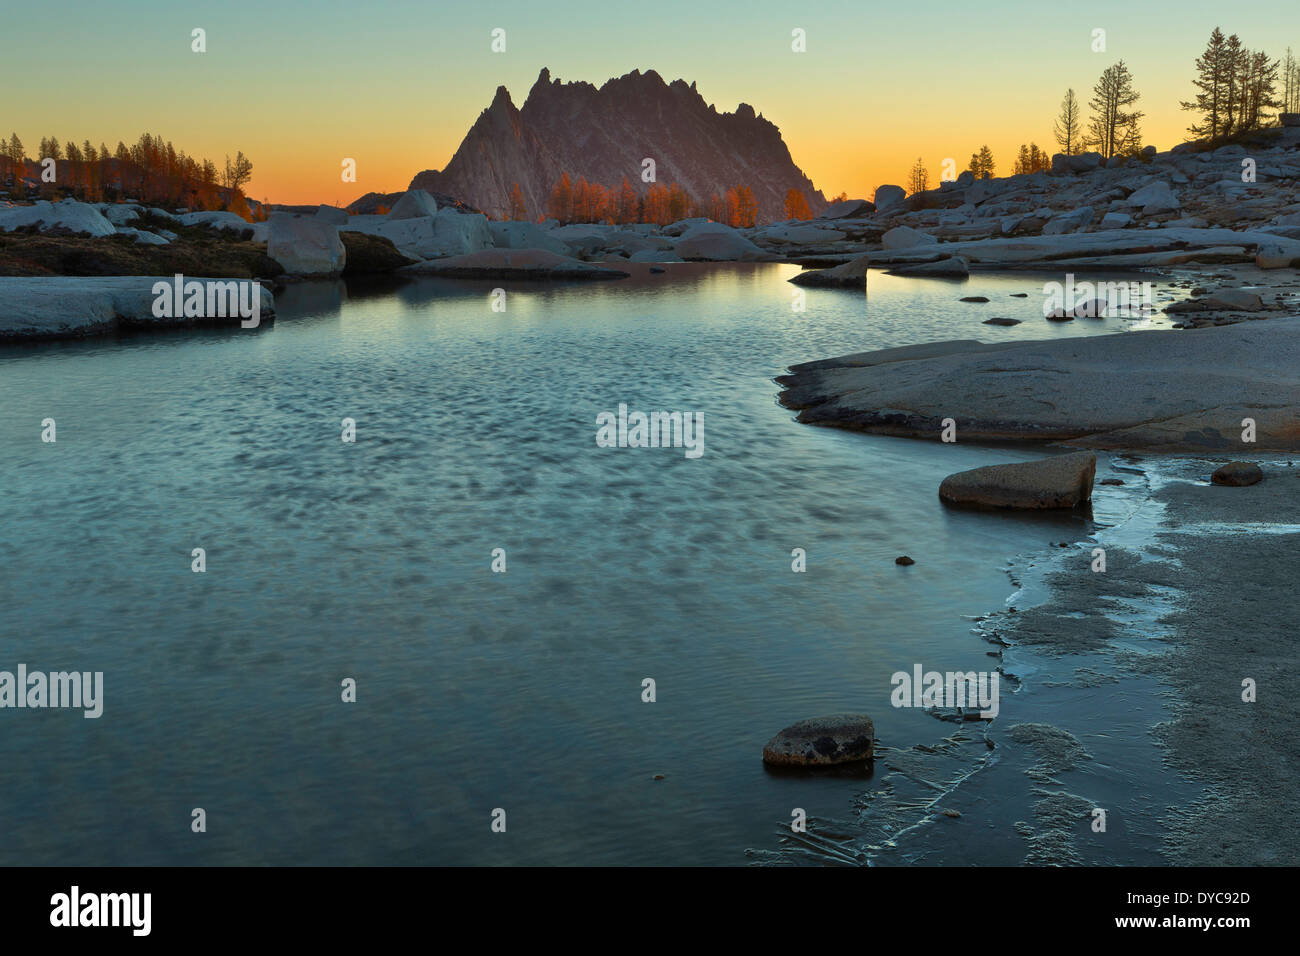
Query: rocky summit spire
[(604, 134)]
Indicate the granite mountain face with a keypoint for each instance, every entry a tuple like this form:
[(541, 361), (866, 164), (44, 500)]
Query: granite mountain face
[(605, 135)]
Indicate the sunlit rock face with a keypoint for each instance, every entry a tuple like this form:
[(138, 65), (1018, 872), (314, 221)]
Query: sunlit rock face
[(605, 134)]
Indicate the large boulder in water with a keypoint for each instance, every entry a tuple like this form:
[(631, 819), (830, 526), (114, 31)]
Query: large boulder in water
[(59, 307), (823, 742), (306, 247), (1064, 481), (1238, 474), (850, 275)]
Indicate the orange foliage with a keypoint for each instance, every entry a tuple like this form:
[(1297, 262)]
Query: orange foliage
[(591, 202), (796, 205)]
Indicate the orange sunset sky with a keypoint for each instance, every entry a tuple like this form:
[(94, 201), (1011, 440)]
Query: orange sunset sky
[(298, 86)]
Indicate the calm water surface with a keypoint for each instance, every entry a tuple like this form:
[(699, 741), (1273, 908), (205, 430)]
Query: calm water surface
[(522, 691)]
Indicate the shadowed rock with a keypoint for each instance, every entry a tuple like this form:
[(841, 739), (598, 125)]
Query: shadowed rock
[(823, 742), (366, 254), (1064, 481), (1238, 474)]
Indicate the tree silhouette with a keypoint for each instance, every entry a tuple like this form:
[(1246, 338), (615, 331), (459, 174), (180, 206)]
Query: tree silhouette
[(1068, 123), (1113, 129), (918, 179), (981, 163)]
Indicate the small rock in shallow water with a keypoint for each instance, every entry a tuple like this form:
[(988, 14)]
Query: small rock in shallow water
[(1063, 481), (904, 560), (823, 741), (1237, 474), (973, 298), (951, 813), (1000, 321)]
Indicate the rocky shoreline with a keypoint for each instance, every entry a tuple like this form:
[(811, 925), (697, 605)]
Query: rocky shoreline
[(1156, 391), (1236, 207)]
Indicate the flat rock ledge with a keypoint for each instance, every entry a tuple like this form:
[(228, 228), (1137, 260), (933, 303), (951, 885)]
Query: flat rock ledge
[(66, 307), (823, 742), (1064, 481), (1156, 391)]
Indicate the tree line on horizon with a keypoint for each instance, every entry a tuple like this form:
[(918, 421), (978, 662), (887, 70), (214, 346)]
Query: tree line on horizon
[(1237, 92), (152, 170)]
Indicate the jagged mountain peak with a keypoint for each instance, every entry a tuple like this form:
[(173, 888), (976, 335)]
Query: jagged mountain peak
[(604, 134)]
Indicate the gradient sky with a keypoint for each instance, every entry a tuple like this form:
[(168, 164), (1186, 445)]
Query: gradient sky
[(300, 84)]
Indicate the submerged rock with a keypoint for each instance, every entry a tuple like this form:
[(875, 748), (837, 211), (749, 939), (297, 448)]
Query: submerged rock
[(823, 742), (1064, 481), (1238, 474)]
